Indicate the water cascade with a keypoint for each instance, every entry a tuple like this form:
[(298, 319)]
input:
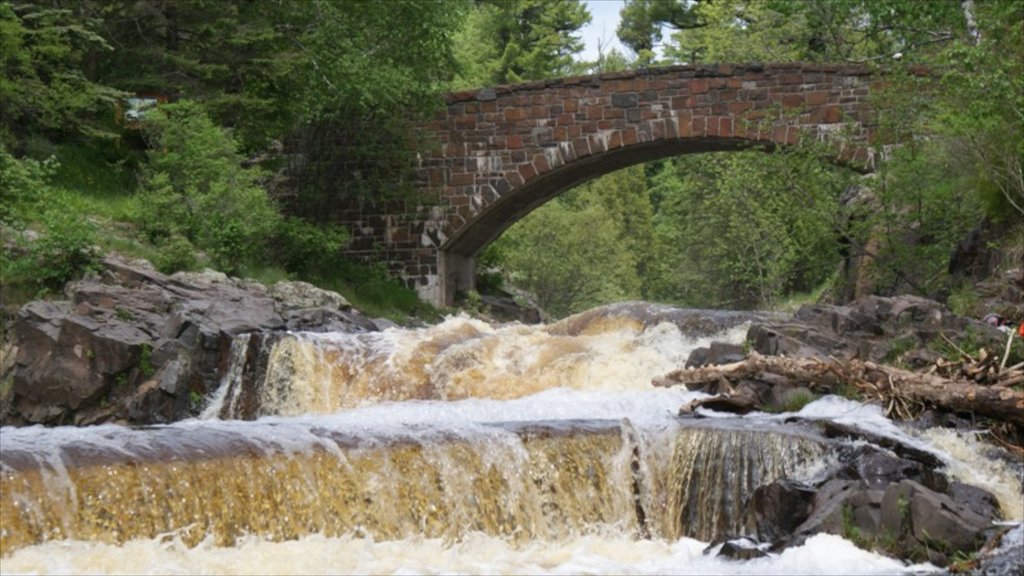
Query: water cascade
[(465, 434)]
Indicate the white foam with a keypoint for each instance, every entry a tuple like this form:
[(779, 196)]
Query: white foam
[(476, 554)]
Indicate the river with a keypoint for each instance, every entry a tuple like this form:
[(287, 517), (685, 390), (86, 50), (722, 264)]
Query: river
[(458, 448)]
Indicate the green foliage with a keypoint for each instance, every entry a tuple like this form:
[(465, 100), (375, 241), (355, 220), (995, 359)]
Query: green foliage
[(373, 291), (307, 250), (22, 186), (175, 253), (744, 229), (739, 31), (508, 41), (567, 271), (146, 361), (64, 250), (43, 83), (62, 245), (195, 187), (794, 401)]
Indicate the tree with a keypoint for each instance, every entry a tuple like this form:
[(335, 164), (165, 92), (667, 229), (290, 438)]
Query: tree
[(509, 41), (195, 188), (43, 85), (568, 272), (742, 229), (641, 23)]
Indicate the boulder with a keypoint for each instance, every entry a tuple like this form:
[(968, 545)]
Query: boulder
[(715, 354), (775, 510), (136, 346), (872, 328), (931, 524)]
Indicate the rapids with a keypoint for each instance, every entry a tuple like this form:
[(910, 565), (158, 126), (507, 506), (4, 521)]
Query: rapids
[(457, 448)]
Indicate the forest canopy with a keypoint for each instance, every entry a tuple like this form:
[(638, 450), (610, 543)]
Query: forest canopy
[(250, 78)]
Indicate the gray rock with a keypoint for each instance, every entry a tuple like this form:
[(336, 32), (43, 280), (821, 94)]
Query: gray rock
[(716, 353), (133, 345), (292, 295), (872, 328)]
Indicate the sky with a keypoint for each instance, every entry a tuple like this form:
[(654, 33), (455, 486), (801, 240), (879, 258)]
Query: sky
[(604, 19)]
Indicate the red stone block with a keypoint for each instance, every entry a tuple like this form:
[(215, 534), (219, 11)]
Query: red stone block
[(462, 179), (513, 141), (514, 178), (816, 98), (514, 114), (540, 164), (792, 100), (658, 130), (615, 140), (614, 113), (739, 106), (697, 126), (527, 171), (581, 147), (629, 136), (465, 123), (725, 127), (570, 106), (791, 79), (698, 86), (712, 126), (833, 114)]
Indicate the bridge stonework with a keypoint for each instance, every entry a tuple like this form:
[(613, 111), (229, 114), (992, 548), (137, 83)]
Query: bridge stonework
[(496, 154)]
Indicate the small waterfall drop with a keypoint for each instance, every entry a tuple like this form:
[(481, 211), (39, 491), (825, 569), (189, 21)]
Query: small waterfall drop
[(304, 373)]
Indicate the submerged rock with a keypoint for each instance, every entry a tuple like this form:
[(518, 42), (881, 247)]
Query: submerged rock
[(136, 346)]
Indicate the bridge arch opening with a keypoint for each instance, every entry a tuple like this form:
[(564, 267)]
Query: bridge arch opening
[(457, 256)]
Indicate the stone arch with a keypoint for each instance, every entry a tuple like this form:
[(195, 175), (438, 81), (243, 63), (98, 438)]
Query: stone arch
[(498, 153)]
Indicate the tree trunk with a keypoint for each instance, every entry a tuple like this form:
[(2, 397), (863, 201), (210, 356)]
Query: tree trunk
[(891, 385)]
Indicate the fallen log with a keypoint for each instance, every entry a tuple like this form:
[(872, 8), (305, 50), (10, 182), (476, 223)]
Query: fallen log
[(900, 391)]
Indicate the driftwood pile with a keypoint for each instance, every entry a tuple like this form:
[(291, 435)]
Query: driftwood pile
[(972, 385)]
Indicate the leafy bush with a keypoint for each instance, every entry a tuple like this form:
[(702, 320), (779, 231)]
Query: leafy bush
[(22, 182), (307, 250), (176, 253), (63, 246), (195, 187)]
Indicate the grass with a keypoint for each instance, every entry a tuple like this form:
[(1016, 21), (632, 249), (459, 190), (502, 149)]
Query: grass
[(793, 401), (792, 302)]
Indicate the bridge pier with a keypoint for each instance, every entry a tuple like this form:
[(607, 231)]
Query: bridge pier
[(456, 274)]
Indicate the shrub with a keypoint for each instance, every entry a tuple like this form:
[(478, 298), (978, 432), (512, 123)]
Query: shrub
[(175, 254), (194, 186), (307, 250), (64, 247), (64, 250)]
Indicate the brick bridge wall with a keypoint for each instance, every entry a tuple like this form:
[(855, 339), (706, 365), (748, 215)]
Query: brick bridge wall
[(495, 154)]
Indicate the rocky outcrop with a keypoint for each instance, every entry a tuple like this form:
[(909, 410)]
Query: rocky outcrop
[(135, 346), (893, 501), (874, 328)]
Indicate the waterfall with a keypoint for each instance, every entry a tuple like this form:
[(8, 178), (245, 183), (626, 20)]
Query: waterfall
[(283, 480), (517, 448)]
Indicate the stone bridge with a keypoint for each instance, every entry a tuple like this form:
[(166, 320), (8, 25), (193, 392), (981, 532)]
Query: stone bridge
[(495, 154)]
